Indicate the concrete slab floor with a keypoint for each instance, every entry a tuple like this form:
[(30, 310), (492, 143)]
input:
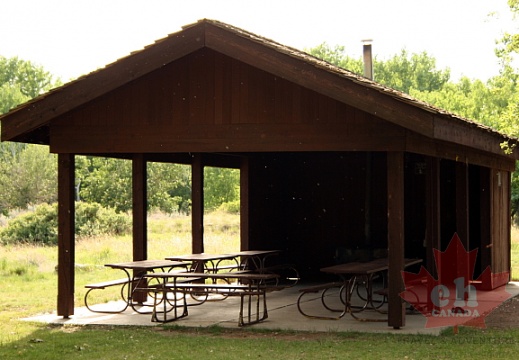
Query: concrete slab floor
[(282, 310)]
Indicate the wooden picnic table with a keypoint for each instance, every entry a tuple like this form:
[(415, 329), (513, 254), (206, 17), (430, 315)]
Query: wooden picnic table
[(254, 259), (250, 286), (135, 271), (355, 274), (203, 262)]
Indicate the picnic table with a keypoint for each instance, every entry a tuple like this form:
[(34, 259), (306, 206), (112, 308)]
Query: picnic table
[(204, 262), (353, 275), (171, 296), (254, 260), (134, 271)]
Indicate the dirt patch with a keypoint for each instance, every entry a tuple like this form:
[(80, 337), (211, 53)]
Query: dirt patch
[(505, 316)]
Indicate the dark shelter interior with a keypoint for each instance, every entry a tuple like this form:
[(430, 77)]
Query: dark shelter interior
[(316, 205), (327, 207)]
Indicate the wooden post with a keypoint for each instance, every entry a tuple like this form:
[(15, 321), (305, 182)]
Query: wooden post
[(485, 252), (462, 222), (197, 204), (395, 224), (66, 239), (139, 193), (462, 203), (140, 223), (433, 222), (244, 204)]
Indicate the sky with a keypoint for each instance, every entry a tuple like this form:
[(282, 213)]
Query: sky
[(70, 38)]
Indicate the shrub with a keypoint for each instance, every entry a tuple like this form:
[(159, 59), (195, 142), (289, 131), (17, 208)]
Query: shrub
[(232, 207), (41, 225), (38, 227), (93, 219)]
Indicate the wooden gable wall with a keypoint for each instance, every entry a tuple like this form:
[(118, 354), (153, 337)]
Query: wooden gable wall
[(208, 102)]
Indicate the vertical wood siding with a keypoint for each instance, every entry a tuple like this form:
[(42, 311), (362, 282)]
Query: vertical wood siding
[(219, 104)]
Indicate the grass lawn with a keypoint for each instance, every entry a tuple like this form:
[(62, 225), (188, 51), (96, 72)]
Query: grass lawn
[(28, 282)]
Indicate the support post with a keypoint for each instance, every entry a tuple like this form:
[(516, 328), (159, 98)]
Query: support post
[(395, 224), (66, 234), (244, 204), (139, 211), (462, 203), (139, 207), (197, 204), (433, 224), (462, 222)]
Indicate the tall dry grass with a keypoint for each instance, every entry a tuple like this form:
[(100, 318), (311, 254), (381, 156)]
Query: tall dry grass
[(514, 256), (21, 265)]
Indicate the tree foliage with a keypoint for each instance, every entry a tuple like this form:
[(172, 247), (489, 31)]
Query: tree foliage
[(27, 176), (41, 225), (108, 181), (169, 187), (220, 186), (21, 80), (411, 71), (403, 71), (337, 56), (27, 172)]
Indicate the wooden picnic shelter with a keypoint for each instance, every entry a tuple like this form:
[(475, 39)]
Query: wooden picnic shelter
[(328, 159)]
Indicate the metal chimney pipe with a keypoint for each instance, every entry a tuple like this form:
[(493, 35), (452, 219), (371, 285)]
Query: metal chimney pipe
[(368, 58)]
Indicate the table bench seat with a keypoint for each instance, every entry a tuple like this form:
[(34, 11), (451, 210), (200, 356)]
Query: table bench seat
[(288, 275), (173, 307), (228, 267), (314, 289), (228, 289), (105, 284), (123, 282), (320, 287)]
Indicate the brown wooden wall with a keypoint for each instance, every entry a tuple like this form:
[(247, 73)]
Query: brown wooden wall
[(500, 220), (208, 102), (311, 204)]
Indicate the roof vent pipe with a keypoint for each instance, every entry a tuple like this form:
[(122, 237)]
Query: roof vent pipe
[(368, 58)]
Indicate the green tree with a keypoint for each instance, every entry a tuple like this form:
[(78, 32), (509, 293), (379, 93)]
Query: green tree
[(416, 71), (21, 80), (169, 187), (106, 181), (337, 56), (27, 172), (402, 72), (27, 177), (474, 99), (221, 186)]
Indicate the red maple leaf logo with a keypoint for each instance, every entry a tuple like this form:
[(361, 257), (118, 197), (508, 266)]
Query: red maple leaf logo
[(454, 298)]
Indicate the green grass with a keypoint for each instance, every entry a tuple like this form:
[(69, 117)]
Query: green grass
[(52, 342), (28, 286)]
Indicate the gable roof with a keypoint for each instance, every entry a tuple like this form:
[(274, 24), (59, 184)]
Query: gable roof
[(29, 122)]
